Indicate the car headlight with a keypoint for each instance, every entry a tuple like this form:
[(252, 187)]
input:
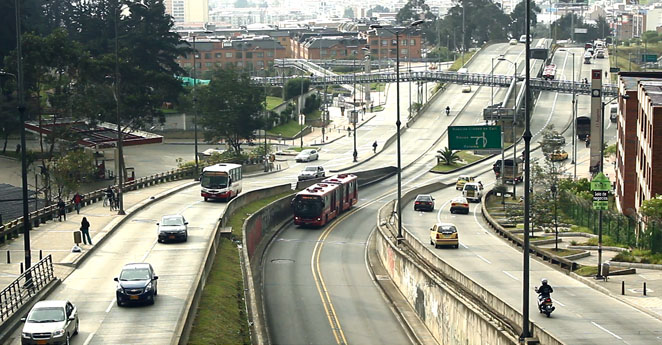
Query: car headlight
[(148, 287), (58, 333), (26, 335)]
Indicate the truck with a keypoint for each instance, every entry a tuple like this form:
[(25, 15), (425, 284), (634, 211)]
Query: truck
[(512, 172), (583, 127)]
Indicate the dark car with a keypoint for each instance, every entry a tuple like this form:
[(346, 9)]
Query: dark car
[(137, 283), (424, 202)]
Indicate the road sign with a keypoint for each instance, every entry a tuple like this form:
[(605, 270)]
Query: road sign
[(614, 69), (600, 185), (648, 57), (474, 137), (354, 117)]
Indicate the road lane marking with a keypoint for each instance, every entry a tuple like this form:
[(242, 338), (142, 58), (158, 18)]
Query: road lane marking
[(482, 258), (559, 302), (88, 339), (464, 245), (606, 330), (510, 275), (110, 306)]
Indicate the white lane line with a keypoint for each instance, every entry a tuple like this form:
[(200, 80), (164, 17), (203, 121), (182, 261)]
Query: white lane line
[(464, 245), (110, 305), (558, 302), (510, 275), (441, 209), (606, 330), (482, 258), (88, 339)]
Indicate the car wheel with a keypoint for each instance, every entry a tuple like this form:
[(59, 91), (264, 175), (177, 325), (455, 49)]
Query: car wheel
[(205, 198), (186, 237), (452, 211), (457, 246), (76, 329), (151, 299), (67, 339), (436, 246), (119, 303)]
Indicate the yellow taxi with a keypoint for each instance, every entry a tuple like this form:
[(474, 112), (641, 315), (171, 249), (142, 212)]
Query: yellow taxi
[(461, 180), (460, 205), (558, 155), (444, 234)]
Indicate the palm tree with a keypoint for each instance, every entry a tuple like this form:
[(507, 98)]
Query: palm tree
[(447, 156)]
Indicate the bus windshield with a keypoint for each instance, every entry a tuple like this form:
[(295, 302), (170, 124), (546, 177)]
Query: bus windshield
[(307, 206), (214, 180)]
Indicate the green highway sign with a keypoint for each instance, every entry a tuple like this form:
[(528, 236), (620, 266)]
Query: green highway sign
[(474, 137), (648, 57)]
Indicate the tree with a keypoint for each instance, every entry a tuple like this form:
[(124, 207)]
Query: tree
[(415, 10), (447, 156), (652, 208), (483, 21), (231, 108), (70, 170), (517, 24), (377, 9), (293, 87), (349, 13)]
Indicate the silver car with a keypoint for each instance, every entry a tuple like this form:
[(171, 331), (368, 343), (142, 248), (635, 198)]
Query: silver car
[(172, 228), (50, 322), (307, 155), (311, 172)]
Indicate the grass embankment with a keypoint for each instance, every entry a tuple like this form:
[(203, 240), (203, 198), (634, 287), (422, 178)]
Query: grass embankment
[(379, 87), (286, 130), (466, 158), (221, 316), (273, 102), (459, 62), (377, 108)]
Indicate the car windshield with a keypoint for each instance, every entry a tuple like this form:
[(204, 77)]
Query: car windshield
[(135, 274), (306, 152), (172, 221), (213, 180), (470, 187), (49, 314), (423, 198), (446, 229), (310, 169), (307, 206)]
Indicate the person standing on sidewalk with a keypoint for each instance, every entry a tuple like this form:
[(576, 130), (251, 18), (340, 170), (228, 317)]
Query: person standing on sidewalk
[(77, 199), (61, 210), (374, 147), (85, 229)]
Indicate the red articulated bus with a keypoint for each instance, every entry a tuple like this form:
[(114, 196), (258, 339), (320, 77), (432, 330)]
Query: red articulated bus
[(321, 202)]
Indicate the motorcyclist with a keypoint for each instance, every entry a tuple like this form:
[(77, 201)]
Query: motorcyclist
[(545, 290), (448, 110)]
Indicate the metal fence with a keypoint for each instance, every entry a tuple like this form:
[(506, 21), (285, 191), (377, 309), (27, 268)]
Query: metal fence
[(622, 229), (28, 284)]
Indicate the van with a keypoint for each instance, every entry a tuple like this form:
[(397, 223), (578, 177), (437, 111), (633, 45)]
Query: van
[(463, 70), (472, 191), (613, 114)]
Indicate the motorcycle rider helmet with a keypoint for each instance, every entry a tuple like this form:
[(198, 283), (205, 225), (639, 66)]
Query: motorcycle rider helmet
[(543, 281)]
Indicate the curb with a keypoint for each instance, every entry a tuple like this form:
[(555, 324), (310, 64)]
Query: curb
[(110, 228), (636, 265)]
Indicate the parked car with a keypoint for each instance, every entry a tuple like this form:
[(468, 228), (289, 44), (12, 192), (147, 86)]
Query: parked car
[(50, 322), (310, 172), (472, 191), (307, 155), (137, 282), (558, 155), (444, 234), (460, 205), (172, 227), (461, 180), (424, 202)]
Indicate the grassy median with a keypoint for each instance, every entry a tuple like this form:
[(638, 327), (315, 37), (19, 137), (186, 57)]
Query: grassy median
[(221, 315)]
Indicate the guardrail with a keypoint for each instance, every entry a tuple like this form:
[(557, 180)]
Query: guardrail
[(14, 227), (28, 284)]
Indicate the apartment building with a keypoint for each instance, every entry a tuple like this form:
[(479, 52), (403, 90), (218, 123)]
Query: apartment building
[(639, 140), (383, 44), (339, 46)]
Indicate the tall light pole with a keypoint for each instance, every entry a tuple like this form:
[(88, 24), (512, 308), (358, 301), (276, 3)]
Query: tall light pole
[(354, 114), (195, 112), (501, 58), (266, 118), (526, 332), (120, 153), (574, 118), (396, 32)]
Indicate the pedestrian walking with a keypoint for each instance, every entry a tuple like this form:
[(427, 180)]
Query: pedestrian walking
[(77, 199), (61, 210), (374, 147), (110, 196), (349, 131), (85, 229)]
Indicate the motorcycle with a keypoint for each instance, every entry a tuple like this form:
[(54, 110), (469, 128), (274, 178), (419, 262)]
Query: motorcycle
[(545, 304)]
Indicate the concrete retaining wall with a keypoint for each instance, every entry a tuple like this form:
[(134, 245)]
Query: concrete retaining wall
[(455, 309)]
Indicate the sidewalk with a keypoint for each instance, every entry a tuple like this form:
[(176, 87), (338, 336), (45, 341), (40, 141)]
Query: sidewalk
[(56, 238)]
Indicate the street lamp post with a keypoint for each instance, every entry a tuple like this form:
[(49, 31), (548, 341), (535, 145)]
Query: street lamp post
[(266, 118), (574, 117), (526, 332), (397, 122), (195, 112), (120, 153), (501, 58), (354, 118)]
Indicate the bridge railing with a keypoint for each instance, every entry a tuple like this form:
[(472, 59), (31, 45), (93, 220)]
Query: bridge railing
[(28, 284)]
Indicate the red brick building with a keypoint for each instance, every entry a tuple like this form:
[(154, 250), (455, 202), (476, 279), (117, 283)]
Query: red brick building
[(383, 44), (639, 140)]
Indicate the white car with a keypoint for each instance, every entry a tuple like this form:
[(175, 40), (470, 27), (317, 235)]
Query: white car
[(307, 155), (311, 172), (172, 228), (50, 322), (513, 42)]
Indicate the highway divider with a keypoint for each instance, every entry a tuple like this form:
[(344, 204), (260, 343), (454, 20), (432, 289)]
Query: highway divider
[(454, 308), (258, 231)]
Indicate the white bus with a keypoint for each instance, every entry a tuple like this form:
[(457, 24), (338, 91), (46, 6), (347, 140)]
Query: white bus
[(221, 181)]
